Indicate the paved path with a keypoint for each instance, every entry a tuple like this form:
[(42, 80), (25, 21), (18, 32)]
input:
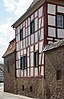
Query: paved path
[(4, 95)]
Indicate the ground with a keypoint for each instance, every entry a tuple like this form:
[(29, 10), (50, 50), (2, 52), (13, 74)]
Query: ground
[(4, 95)]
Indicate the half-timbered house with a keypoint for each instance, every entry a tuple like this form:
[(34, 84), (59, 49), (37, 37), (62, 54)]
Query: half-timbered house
[(41, 24)]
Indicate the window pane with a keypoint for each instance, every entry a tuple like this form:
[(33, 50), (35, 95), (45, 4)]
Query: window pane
[(17, 55), (36, 24), (41, 34), (40, 59), (42, 70), (21, 52), (40, 23), (18, 64), (32, 17), (31, 48), (36, 13), (28, 21), (36, 71), (29, 30), (29, 40), (60, 33), (27, 51), (61, 9), (24, 51), (31, 59), (31, 72), (21, 73), (17, 46), (21, 34), (24, 73), (17, 73), (32, 27), (28, 72), (51, 20), (21, 44), (24, 24), (40, 11), (36, 59), (60, 21), (41, 47), (26, 32), (28, 62), (36, 37), (51, 32), (36, 47), (32, 38), (51, 9), (18, 38), (23, 62), (24, 43)]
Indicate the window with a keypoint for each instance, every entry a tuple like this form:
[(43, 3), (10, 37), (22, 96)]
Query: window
[(60, 21), (23, 62), (36, 59), (8, 66), (32, 27), (21, 34), (31, 89), (58, 74), (22, 87)]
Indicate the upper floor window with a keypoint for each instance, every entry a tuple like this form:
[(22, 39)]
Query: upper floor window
[(36, 59), (23, 62), (60, 21), (21, 34), (32, 27)]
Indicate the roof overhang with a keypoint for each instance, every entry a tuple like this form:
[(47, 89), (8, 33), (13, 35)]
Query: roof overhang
[(29, 11)]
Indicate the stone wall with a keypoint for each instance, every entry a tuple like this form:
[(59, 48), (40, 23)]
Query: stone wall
[(9, 78), (54, 61), (36, 84)]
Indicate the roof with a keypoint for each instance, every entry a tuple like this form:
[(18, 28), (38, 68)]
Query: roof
[(54, 45), (35, 4), (10, 49), (33, 7)]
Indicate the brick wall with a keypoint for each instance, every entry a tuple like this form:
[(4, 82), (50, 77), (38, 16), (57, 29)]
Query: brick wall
[(54, 61)]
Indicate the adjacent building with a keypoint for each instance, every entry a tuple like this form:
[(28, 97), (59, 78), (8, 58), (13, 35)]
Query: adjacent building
[(1, 72), (9, 68), (54, 70)]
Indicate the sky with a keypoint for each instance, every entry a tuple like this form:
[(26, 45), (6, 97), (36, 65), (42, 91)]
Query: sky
[(10, 11)]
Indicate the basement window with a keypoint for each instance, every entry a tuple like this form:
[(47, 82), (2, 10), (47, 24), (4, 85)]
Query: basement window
[(58, 74), (31, 89), (22, 87)]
